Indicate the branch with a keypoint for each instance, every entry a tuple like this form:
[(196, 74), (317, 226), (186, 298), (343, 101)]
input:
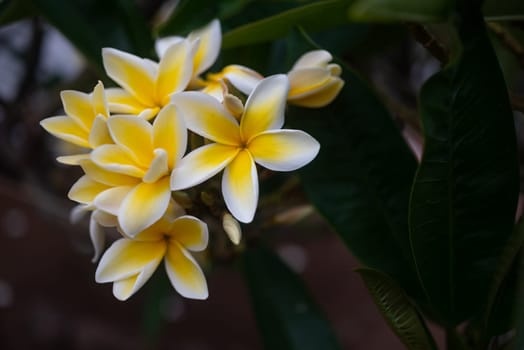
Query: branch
[(424, 38)]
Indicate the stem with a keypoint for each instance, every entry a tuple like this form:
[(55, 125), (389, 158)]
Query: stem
[(423, 37)]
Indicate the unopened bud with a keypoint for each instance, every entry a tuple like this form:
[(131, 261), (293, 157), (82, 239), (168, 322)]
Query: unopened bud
[(232, 228)]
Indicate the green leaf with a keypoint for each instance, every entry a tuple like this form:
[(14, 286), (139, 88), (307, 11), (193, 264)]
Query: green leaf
[(91, 25), (428, 10), (465, 192), (191, 14), (277, 26), (397, 309), (361, 179), (286, 314), (400, 10), (504, 10), (502, 292)]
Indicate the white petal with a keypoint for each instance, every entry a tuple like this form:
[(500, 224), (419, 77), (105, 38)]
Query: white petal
[(144, 205), (243, 78), (129, 264), (111, 199), (184, 273), (162, 44), (191, 232), (106, 177), (201, 164), (66, 129), (205, 116), (210, 38), (158, 167), (133, 73), (265, 106), (78, 212), (121, 101), (85, 189), (98, 238), (321, 96), (126, 258), (283, 150), (105, 219), (135, 135), (79, 107), (170, 133), (99, 134), (74, 159), (99, 99), (114, 158), (305, 80), (240, 187), (174, 71), (315, 58)]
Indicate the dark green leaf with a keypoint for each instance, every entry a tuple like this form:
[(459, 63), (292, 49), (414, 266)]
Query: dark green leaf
[(92, 25), (400, 10), (192, 14), (397, 309), (428, 10), (285, 312), (503, 288), (361, 179), (465, 192), (271, 28), (504, 9)]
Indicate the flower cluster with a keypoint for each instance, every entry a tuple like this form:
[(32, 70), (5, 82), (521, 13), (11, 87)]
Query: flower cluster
[(136, 138)]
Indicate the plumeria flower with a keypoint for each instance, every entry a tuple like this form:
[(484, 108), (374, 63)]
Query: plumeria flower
[(129, 263), (206, 44), (314, 82), (146, 85), (236, 147), (84, 123), (137, 167)]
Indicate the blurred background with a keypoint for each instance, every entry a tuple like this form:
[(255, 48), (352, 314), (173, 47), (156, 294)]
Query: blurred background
[(48, 296)]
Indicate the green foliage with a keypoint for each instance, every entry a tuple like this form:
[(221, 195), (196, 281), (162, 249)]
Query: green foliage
[(286, 315), (464, 194), (277, 26), (397, 309), (400, 10)]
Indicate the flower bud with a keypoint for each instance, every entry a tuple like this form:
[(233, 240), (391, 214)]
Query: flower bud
[(314, 82)]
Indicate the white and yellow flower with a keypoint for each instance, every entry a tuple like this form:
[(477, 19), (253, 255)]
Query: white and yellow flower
[(129, 263), (147, 86), (314, 82), (134, 171), (237, 147), (84, 123)]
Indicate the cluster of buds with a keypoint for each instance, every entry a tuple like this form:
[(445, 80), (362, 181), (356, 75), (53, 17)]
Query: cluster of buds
[(136, 150)]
